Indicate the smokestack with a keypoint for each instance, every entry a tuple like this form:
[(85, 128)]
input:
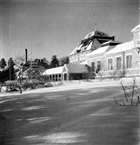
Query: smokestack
[(113, 38), (26, 56)]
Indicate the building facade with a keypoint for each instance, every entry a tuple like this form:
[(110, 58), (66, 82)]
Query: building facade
[(100, 56), (97, 59), (118, 60)]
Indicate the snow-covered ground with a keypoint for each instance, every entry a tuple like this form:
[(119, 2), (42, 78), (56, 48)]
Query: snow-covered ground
[(74, 113), (69, 86)]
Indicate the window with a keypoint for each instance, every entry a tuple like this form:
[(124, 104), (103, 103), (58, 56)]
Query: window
[(98, 65), (118, 63), (110, 67), (59, 77), (129, 61), (93, 66)]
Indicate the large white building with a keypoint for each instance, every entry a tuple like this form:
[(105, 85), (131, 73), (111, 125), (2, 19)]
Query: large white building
[(117, 60), (99, 55)]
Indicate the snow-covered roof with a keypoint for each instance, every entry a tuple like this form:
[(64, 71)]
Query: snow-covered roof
[(86, 43), (111, 42), (79, 47), (100, 50), (89, 46), (95, 33), (122, 47), (76, 68), (136, 28), (90, 35), (56, 70), (75, 50), (70, 68), (72, 53)]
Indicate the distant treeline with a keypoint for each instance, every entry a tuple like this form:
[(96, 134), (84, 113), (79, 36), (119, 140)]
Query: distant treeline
[(7, 74)]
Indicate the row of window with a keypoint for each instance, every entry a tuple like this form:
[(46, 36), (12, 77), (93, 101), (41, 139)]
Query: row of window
[(98, 66), (76, 55), (119, 63), (76, 61), (57, 77)]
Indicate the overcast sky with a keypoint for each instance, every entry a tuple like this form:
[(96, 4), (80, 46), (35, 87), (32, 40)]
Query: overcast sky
[(56, 27)]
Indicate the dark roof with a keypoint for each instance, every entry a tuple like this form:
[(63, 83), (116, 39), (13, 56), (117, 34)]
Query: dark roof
[(97, 34), (111, 43)]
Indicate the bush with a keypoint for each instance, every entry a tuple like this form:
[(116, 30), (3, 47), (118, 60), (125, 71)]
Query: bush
[(11, 85)]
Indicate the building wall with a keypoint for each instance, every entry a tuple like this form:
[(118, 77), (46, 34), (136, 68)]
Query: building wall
[(128, 64), (121, 68), (133, 69)]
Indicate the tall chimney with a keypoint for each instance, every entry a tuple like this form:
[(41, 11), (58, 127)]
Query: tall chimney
[(113, 38), (26, 56)]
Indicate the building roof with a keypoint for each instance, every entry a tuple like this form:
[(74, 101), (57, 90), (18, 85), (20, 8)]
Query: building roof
[(56, 70), (89, 46), (86, 43), (122, 47), (98, 51), (136, 28), (96, 33), (76, 68), (111, 42), (73, 52), (79, 48)]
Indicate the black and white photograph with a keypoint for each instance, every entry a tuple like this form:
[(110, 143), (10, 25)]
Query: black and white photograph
[(69, 72)]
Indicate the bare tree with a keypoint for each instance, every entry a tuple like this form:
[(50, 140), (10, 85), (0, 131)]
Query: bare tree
[(19, 60), (131, 91), (131, 94)]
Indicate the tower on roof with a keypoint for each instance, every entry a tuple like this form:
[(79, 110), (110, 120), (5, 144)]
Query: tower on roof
[(91, 42)]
